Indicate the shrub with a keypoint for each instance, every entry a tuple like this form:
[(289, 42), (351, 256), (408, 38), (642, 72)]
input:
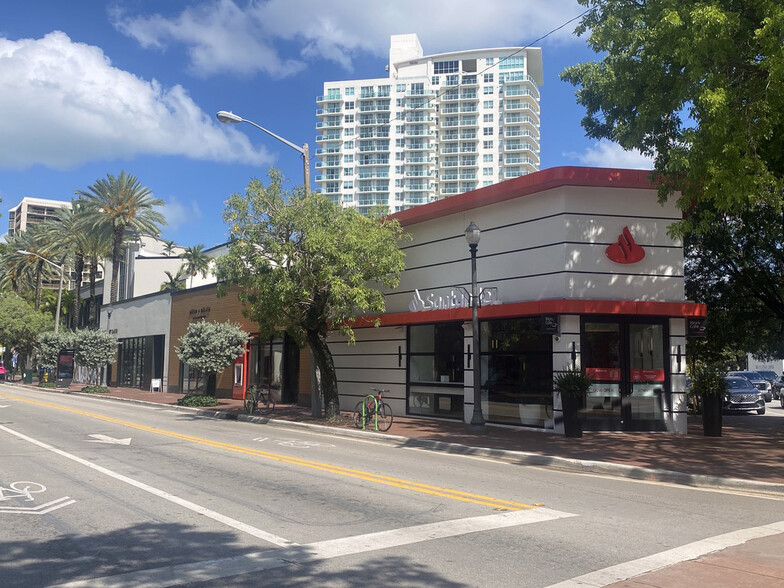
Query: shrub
[(95, 390), (197, 400), (42, 384)]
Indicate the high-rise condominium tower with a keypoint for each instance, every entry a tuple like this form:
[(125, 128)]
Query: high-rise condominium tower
[(439, 125)]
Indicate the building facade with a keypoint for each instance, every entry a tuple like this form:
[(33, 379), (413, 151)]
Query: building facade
[(576, 269), (31, 211), (437, 126)]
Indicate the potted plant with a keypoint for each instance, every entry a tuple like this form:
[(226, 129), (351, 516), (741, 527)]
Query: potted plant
[(708, 384), (573, 386)]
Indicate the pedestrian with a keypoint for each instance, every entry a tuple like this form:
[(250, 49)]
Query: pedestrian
[(14, 362)]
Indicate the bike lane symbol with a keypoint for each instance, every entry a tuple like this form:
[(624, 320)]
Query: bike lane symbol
[(23, 492)]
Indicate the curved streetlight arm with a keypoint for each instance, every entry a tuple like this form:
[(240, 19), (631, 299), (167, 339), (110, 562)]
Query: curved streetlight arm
[(227, 117)]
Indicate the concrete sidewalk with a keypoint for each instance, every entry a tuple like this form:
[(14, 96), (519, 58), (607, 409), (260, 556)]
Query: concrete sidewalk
[(748, 457)]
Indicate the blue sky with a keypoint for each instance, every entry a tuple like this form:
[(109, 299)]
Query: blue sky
[(91, 87)]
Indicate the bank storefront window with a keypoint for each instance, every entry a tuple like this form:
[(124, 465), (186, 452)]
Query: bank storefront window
[(435, 370), (516, 372)]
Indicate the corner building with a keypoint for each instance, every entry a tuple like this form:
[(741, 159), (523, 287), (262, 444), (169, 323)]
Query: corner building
[(437, 126), (576, 269)]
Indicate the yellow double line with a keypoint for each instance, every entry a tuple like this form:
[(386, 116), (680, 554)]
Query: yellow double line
[(495, 503)]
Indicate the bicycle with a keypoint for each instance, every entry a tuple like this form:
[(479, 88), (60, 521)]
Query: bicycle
[(257, 399), (371, 410)]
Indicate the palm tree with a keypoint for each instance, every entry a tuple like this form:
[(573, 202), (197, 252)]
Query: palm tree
[(173, 283), (67, 235), (168, 247), (196, 262), (27, 268), (97, 247), (125, 206)]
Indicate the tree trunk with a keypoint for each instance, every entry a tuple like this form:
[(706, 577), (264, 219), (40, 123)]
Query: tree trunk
[(119, 232), (38, 279), (77, 303), (93, 318), (326, 366), (210, 385)]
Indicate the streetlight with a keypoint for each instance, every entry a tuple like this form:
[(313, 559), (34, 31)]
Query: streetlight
[(59, 292), (229, 117), (477, 425)]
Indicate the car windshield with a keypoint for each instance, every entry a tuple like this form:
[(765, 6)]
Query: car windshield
[(736, 383), (769, 375), (750, 375)]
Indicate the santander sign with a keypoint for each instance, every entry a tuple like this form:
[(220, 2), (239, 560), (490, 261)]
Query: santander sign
[(625, 250)]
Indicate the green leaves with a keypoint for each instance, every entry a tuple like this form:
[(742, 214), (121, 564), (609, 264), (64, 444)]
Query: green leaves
[(698, 84), (210, 347)]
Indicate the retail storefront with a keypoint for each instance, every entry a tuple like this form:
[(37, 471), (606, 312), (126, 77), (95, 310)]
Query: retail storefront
[(274, 364), (575, 268)]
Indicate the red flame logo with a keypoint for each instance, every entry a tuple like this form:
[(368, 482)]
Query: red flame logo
[(625, 250)]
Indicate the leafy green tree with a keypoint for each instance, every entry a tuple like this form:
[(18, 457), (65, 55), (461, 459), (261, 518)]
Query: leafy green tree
[(696, 84), (196, 261), (49, 345), (127, 208), (20, 323), (306, 265), (173, 283), (93, 350), (210, 347)]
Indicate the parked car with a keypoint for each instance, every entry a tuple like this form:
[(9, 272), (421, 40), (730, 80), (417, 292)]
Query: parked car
[(778, 386), (759, 382), (742, 396), (771, 377), (2, 372)]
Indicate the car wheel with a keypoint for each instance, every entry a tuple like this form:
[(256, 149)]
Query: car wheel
[(761, 410)]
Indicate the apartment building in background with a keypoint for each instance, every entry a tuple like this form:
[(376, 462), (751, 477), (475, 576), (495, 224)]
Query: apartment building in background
[(437, 126), (33, 210)]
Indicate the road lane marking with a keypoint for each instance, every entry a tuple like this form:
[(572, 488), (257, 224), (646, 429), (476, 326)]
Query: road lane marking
[(657, 561), (239, 525), (40, 509), (98, 438), (460, 495), (205, 571)]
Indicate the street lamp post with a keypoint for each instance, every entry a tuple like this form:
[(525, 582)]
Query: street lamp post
[(227, 117), (477, 425), (59, 292)]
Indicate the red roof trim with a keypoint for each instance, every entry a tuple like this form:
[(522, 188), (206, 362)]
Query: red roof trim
[(561, 306), (540, 181)]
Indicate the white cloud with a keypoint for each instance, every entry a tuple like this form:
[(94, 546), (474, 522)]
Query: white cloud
[(609, 154), (65, 104), (180, 213), (222, 36)]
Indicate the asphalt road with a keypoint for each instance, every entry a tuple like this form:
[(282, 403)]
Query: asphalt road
[(99, 493)]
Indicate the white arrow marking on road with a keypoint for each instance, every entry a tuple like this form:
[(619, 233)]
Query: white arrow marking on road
[(261, 438), (110, 440), (40, 509), (4, 405)]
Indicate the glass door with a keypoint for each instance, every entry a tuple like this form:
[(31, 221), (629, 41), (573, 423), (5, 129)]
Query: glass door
[(601, 358), (626, 359)]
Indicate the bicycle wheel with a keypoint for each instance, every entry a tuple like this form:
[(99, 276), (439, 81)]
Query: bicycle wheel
[(384, 417), (250, 402), (266, 403), (358, 420)]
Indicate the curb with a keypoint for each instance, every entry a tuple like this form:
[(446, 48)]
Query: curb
[(516, 457)]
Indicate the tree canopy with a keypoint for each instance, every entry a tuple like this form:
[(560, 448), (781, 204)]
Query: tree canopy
[(93, 350), (697, 85), (20, 323), (306, 265), (210, 347), (126, 208)]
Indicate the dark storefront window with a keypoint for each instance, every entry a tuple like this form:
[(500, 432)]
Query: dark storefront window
[(516, 372), (139, 360), (435, 370)]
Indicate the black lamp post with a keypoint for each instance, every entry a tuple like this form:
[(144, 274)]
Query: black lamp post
[(477, 425)]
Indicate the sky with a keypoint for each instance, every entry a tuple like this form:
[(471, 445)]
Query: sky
[(91, 88)]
